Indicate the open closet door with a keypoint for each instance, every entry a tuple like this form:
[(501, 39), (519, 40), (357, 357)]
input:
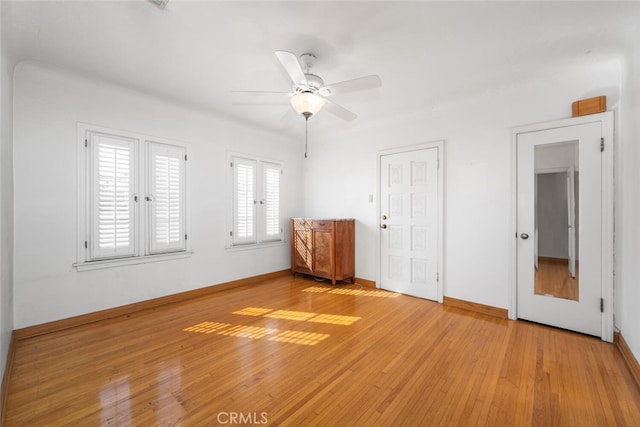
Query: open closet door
[(571, 213)]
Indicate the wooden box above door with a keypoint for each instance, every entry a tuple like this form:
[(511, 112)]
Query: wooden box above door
[(587, 106), (323, 248)]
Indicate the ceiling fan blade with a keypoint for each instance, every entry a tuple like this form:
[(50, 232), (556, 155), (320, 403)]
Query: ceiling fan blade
[(291, 65), (361, 83), (339, 111), (289, 116), (241, 97)]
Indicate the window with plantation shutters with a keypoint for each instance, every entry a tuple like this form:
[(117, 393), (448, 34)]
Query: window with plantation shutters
[(256, 201), (270, 201), (166, 197), (244, 200), (133, 198), (112, 202)]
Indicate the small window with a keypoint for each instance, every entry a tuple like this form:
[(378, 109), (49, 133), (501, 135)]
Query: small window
[(256, 201)]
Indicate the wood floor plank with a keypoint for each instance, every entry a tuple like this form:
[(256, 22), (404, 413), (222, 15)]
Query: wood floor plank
[(403, 361)]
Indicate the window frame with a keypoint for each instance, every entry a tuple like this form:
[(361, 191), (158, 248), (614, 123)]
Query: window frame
[(259, 238), (141, 235)]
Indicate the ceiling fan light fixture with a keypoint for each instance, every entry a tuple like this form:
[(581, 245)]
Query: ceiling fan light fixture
[(307, 103)]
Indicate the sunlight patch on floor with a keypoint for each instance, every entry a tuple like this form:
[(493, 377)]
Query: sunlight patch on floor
[(207, 327), (362, 292), (334, 319), (302, 316), (317, 289), (291, 315), (252, 311), (255, 332)]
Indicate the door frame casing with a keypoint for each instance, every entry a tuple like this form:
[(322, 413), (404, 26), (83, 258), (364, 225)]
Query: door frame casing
[(440, 247), (606, 120)]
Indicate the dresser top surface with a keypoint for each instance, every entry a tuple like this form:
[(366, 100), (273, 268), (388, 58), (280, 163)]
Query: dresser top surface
[(322, 219)]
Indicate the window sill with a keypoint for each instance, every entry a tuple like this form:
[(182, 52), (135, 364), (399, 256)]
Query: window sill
[(254, 246), (109, 263)]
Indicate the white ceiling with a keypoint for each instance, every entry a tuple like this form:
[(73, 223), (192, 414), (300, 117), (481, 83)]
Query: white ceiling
[(427, 53)]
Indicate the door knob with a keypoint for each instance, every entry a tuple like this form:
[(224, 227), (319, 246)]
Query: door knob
[(383, 226), (524, 236)]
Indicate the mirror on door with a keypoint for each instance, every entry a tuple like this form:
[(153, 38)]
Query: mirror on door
[(556, 220)]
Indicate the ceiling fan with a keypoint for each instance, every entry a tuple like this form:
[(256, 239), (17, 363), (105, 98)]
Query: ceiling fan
[(309, 94)]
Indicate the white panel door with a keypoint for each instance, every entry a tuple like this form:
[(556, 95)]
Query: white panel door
[(409, 222), (582, 314)]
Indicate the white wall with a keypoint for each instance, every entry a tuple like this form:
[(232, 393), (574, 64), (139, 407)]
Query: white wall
[(551, 215), (627, 281), (341, 172), (6, 203), (48, 103)]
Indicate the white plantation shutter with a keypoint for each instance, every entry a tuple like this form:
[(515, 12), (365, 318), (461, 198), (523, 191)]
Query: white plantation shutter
[(270, 202), (244, 200), (112, 196), (166, 198)]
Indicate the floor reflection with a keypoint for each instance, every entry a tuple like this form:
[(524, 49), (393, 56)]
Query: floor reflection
[(169, 401), (553, 279), (115, 403)]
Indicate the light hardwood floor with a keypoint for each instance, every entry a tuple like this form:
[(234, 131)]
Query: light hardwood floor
[(292, 351)]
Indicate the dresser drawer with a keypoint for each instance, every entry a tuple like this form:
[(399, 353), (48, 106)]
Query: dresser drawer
[(306, 224), (301, 223), (324, 224)]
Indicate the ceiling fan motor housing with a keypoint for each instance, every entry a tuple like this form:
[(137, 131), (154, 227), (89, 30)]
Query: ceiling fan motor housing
[(314, 82)]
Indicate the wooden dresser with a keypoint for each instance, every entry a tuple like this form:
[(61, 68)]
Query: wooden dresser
[(323, 248)]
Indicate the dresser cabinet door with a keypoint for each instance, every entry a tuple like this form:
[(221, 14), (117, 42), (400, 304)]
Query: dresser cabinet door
[(323, 252), (302, 249)]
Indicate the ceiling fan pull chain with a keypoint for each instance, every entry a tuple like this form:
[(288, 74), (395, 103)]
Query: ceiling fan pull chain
[(306, 126)]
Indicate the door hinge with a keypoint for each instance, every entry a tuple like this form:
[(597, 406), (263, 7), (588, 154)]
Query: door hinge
[(231, 233), (185, 157), (601, 305), (231, 164), (438, 277), (185, 237), (86, 245), (86, 143), (438, 163), (601, 144)]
